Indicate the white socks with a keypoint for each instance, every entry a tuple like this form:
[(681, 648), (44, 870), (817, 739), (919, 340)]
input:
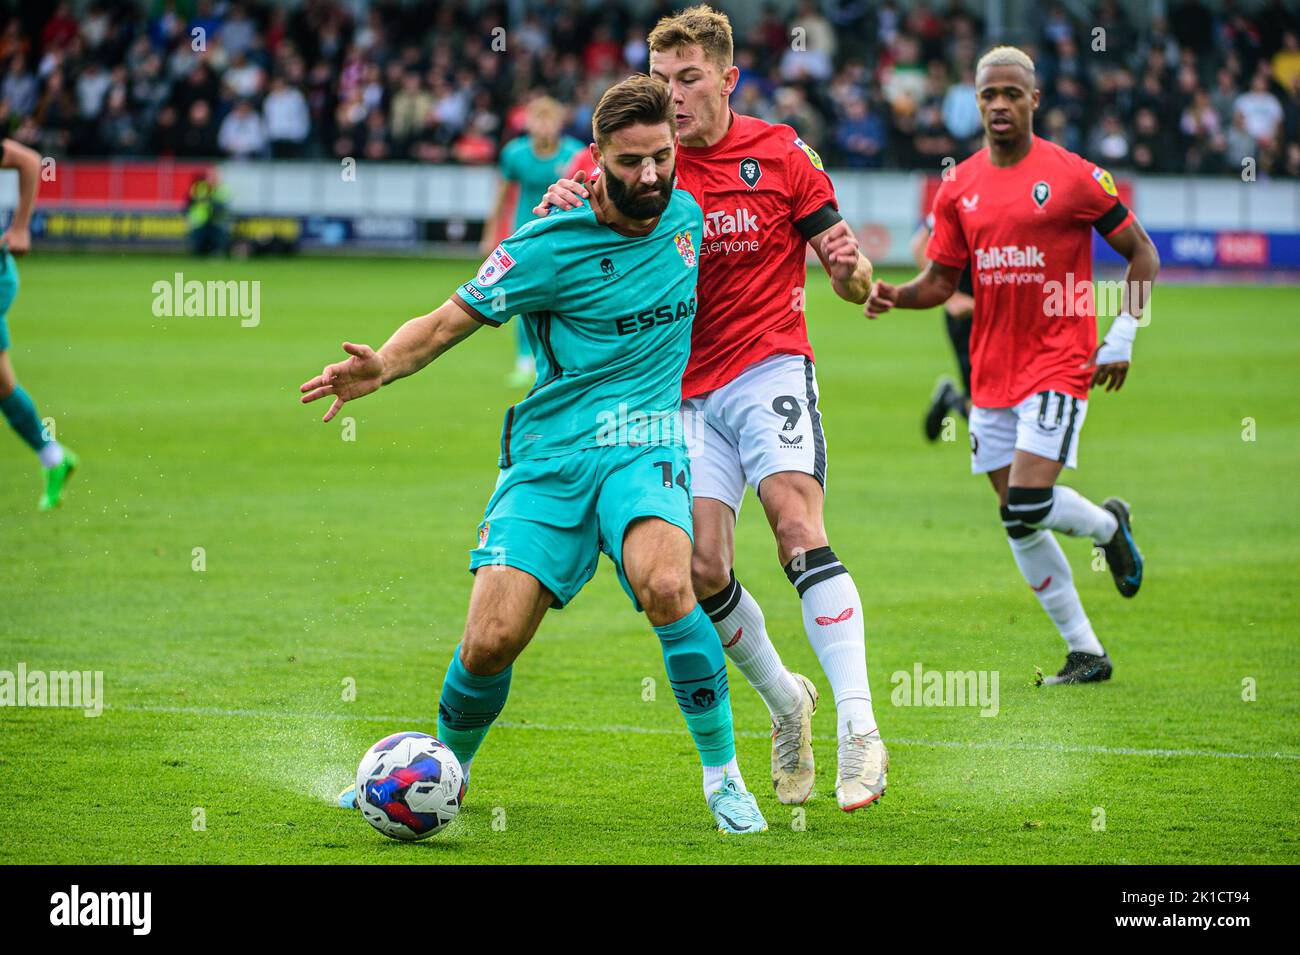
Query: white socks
[(739, 622), (1074, 514), (1041, 560), (1061, 509), (832, 617), (713, 776), (51, 455)]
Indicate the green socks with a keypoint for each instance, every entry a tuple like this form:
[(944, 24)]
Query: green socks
[(468, 706), (697, 672), (21, 415)]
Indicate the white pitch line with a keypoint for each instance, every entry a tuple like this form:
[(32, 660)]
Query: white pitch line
[(744, 734)]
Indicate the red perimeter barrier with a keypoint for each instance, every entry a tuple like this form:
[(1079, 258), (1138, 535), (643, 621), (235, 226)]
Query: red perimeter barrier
[(157, 185)]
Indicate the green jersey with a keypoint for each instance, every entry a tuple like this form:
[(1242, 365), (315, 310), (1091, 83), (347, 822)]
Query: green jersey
[(520, 164), (608, 320)]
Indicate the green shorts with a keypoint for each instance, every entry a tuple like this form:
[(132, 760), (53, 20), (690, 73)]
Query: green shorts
[(552, 518), (8, 292)]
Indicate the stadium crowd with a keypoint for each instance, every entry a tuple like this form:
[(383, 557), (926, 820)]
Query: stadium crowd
[(872, 84)]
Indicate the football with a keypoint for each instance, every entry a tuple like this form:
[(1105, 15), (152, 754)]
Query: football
[(410, 786)]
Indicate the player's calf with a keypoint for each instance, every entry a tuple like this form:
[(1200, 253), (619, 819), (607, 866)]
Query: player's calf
[(1041, 561)]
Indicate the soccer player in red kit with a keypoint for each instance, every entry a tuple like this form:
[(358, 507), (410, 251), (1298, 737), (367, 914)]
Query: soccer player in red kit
[(1021, 213), (750, 400)]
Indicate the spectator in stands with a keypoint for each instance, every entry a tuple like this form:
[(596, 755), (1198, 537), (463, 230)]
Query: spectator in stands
[(92, 85), (19, 88), (1109, 143), (1260, 111), (961, 112), (409, 108), (243, 132), (1240, 145), (1150, 146), (350, 63), (861, 136), (118, 131), (288, 122), (1286, 61), (1200, 125), (237, 32), (198, 134)]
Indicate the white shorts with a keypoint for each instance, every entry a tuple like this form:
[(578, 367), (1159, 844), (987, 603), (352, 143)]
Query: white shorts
[(1046, 424), (762, 422)]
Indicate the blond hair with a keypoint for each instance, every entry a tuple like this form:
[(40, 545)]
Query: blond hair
[(700, 26), (638, 100), (544, 107), (1006, 56)]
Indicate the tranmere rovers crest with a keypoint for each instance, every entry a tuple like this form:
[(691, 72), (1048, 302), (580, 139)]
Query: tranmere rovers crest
[(685, 248)]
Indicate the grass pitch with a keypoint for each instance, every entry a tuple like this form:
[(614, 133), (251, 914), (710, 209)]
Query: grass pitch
[(332, 564)]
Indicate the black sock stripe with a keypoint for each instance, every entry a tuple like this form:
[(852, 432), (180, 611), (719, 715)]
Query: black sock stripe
[(814, 578), (1029, 505), (809, 560), (720, 605), (1012, 526)]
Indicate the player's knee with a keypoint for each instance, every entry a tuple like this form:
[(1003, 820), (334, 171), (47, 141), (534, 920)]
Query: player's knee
[(1029, 505), (489, 647), (666, 595), (709, 574)]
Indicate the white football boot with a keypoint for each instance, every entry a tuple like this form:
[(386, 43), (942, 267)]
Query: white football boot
[(864, 762), (792, 752)]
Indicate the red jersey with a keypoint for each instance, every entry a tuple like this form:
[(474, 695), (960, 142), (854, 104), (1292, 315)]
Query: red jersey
[(764, 194), (1026, 233)]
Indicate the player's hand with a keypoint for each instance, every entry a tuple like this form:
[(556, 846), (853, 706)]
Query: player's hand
[(1111, 374), (565, 194), (841, 250), (358, 376), (17, 239), (883, 297)]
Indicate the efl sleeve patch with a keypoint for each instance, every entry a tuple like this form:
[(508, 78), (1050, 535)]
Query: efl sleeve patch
[(811, 154), (494, 267), (1106, 181)]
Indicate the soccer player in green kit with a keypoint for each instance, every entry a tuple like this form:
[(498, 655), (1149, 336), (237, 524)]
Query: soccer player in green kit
[(532, 162), (592, 459), (57, 461)]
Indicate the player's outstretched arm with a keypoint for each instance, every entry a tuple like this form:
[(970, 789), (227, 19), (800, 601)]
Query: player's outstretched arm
[(18, 237), (410, 348), (932, 287), (849, 269), (564, 194), (1112, 358)]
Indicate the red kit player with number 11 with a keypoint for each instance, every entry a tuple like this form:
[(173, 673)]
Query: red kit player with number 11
[(1021, 213), (750, 401)]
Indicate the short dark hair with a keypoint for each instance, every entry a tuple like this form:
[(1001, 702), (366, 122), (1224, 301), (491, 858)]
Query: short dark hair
[(638, 100)]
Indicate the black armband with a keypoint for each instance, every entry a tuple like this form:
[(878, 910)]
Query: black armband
[(819, 221), (1107, 221)]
